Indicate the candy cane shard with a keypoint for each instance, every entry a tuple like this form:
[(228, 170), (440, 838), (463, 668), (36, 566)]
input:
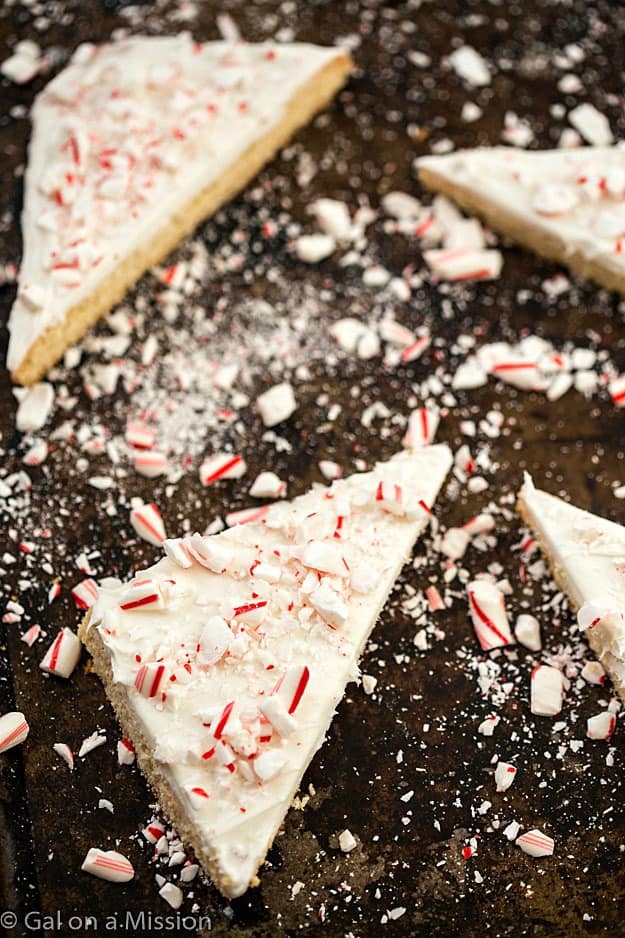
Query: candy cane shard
[(487, 608), (106, 196), (63, 654), (109, 865), (535, 844), (13, 730), (562, 204), (226, 683), (586, 554)]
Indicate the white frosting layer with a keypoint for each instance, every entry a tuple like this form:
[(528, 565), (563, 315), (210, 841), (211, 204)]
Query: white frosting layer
[(588, 556), (125, 136), (578, 196), (323, 567)]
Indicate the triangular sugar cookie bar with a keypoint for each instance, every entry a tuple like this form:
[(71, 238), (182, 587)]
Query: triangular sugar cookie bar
[(567, 205), (133, 144), (226, 660), (586, 555)]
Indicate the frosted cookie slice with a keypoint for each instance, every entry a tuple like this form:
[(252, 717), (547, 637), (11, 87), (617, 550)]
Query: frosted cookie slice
[(586, 554), (226, 660), (567, 205), (133, 144)]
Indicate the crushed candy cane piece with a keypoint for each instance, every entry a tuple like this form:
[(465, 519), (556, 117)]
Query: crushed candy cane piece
[(172, 894), (464, 264), (470, 66), (487, 727), (314, 248), (147, 522), (268, 485), (504, 776), (109, 865), (277, 404), (222, 466), (594, 673), (90, 743), (125, 752), (150, 463), (547, 691), (66, 754), (488, 614), (601, 726), (347, 841), (527, 632), (422, 427), (535, 843), (63, 654), (85, 593), (35, 405), (592, 125), (13, 730)]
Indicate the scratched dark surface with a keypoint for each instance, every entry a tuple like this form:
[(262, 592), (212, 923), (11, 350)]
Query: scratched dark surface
[(49, 817)]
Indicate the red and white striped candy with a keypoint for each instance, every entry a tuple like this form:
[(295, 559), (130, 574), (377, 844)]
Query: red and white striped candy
[(150, 678), (150, 463), (222, 466), (434, 598), (535, 843), (504, 776), (85, 593), (109, 865), (153, 832), (488, 613), (215, 641), (140, 436), (547, 691), (247, 515), (520, 373), (412, 352), (54, 592), (601, 726), (395, 334), (251, 614), (13, 730), (527, 632), (66, 754), (147, 522), (275, 710), (142, 595), (593, 673), (617, 391), (291, 686), (464, 264), (31, 635), (63, 654), (125, 752), (220, 722), (422, 427), (480, 524)]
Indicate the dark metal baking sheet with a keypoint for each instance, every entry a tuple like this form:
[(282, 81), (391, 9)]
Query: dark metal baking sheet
[(390, 112)]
